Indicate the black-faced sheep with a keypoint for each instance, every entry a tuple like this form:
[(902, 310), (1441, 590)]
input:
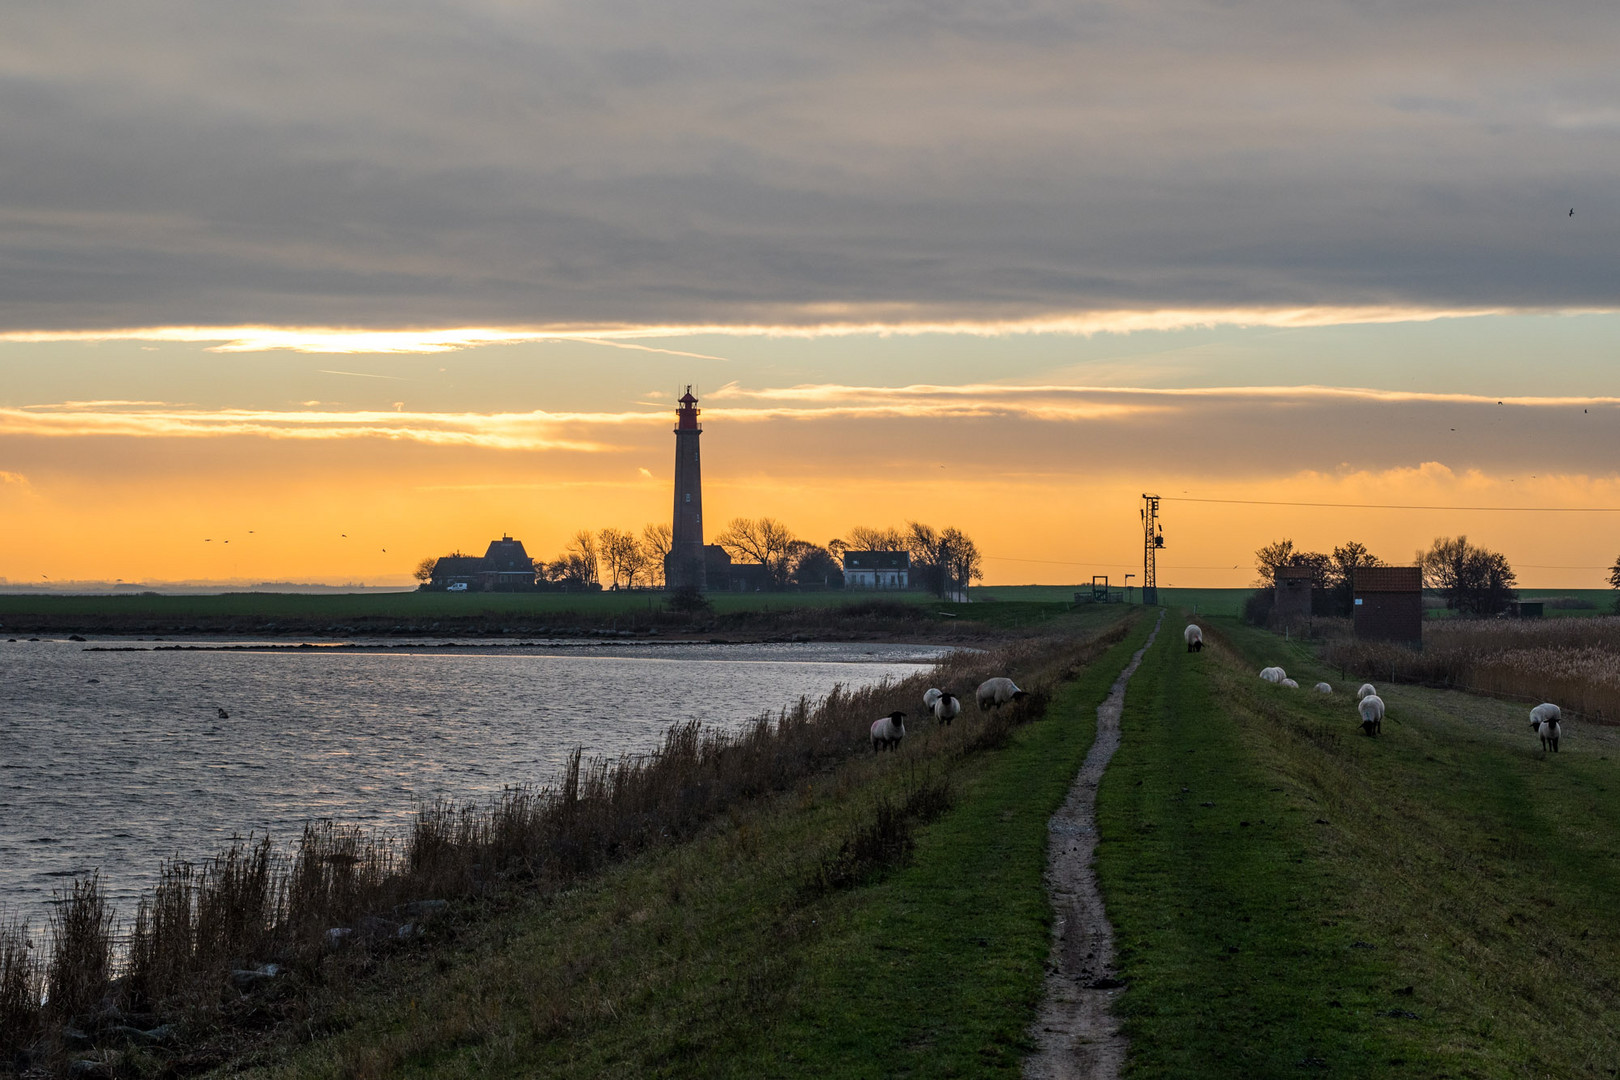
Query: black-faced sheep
[(1366, 688), (1371, 709), (994, 693), (888, 731), (1323, 688), (1544, 721), (945, 707), (1290, 683), (1194, 637)]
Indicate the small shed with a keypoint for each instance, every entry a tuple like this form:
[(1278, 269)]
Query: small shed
[(1389, 604), (1526, 609), (1293, 591)]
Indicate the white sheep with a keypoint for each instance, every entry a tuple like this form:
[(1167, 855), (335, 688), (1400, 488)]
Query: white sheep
[(1371, 709), (1194, 638), (994, 693), (1366, 689), (1323, 688), (1544, 722), (888, 731), (1273, 674), (930, 696), (946, 707), (1290, 683)]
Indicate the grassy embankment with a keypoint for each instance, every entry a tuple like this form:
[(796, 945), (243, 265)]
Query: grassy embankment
[(1291, 898), (785, 940)]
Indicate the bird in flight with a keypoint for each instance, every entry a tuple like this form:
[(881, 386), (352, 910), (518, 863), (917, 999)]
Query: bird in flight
[(1572, 211)]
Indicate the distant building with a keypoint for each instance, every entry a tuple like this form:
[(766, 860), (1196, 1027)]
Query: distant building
[(1389, 604), (877, 570), (1293, 585), (504, 567)]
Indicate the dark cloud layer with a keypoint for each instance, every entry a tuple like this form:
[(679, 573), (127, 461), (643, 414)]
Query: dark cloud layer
[(513, 163)]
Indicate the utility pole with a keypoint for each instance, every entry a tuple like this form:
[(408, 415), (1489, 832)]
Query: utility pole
[(1152, 541)]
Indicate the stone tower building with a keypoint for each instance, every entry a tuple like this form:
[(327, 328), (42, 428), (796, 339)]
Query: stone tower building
[(683, 566)]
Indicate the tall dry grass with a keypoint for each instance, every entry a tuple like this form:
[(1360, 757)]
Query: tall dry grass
[(1573, 662), (203, 937)]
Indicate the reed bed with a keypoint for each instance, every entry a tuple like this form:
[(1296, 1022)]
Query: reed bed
[(211, 939), (1573, 662)]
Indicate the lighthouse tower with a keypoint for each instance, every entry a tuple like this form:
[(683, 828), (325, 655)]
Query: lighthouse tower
[(683, 566)]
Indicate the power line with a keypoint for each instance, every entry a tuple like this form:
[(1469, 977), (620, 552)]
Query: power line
[(1400, 506)]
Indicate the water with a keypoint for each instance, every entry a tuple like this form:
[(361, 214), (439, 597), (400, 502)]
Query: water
[(118, 760)]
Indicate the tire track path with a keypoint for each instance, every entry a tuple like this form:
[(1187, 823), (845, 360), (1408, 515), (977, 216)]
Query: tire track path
[(1076, 1034)]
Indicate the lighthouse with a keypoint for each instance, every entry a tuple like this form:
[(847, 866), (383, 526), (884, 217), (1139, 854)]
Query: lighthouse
[(683, 566)]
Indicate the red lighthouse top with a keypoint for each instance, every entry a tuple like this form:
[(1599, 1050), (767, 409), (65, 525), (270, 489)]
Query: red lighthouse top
[(686, 417)]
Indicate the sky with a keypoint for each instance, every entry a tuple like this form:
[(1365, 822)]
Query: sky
[(350, 285)]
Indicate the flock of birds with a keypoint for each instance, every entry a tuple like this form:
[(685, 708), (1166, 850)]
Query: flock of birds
[(1544, 718), (887, 731)]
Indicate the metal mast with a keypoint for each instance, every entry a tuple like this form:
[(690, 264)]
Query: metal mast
[(1152, 541)]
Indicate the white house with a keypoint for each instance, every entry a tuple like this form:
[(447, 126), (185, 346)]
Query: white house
[(877, 570)]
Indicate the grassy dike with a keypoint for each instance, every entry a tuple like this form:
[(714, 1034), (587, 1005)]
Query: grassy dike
[(746, 952), (1291, 898)]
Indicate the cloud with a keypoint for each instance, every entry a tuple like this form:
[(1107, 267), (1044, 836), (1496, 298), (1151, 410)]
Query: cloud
[(13, 478), (483, 163)]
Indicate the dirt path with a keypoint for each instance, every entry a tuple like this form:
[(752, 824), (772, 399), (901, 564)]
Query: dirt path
[(1075, 1032)]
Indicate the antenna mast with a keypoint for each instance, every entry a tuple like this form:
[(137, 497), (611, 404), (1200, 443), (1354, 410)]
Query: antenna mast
[(1152, 541)]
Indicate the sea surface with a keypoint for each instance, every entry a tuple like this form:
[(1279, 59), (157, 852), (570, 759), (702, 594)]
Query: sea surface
[(117, 760)]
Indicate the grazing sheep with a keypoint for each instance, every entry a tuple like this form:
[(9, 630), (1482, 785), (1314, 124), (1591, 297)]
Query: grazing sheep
[(1194, 638), (1323, 688), (888, 731), (994, 693), (1371, 709), (1366, 688), (1544, 722), (1290, 683), (1273, 674), (930, 696), (945, 707)]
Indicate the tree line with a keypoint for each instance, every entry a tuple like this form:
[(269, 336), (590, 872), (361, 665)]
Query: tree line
[(1472, 580), (943, 561)]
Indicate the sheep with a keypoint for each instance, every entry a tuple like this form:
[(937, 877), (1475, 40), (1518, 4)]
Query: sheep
[(1366, 689), (1194, 638), (1273, 674), (1290, 683), (930, 696), (994, 693), (945, 707), (887, 731), (1371, 709), (1544, 722), (1323, 688)]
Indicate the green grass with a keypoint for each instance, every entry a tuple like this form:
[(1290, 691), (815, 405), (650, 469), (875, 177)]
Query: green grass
[(722, 958), (1447, 870)]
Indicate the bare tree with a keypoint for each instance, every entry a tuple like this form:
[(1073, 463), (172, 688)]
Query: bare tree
[(424, 569), (959, 556), (656, 541), (1473, 579), (622, 555), (577, 565), (765, 541), (866, 538)]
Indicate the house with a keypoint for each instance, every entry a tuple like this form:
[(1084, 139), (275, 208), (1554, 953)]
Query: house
[(877, 570), (504, 567)]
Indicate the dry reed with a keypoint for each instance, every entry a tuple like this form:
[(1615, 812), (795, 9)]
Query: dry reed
[(1573, 662)]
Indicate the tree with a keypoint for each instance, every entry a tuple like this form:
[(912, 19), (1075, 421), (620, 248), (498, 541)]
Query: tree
[(622, 553), (1267, 559), (1473, 580), (656, 541), (1341, 574), (927, 569), (576, 567), (960, 558), (811, 564), (424, 569), (866, 538), (765, 541), (1614, 575)]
